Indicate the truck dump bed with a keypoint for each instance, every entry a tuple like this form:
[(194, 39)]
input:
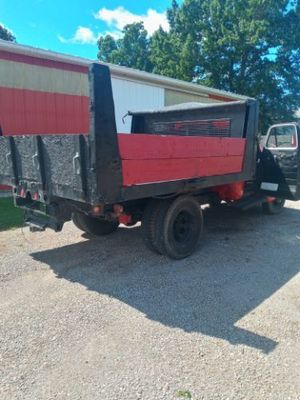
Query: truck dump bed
[(168, 151)]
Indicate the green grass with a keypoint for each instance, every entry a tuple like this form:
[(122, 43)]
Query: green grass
[(10, 216), (184, 394)]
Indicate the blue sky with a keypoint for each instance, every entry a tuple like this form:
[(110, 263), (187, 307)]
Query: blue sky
[(73, 27)]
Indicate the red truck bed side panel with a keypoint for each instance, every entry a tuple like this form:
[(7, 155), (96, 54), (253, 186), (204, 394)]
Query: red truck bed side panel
[(153, 158)]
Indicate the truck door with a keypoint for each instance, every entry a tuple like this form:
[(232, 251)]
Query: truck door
[(279, 162)]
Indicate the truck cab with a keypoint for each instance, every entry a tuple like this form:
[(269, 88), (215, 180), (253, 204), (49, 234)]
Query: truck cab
[(278, 163)]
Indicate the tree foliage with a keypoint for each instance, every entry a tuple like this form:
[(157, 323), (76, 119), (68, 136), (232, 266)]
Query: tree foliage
[(132, 50), (250, 47), (5, 34)]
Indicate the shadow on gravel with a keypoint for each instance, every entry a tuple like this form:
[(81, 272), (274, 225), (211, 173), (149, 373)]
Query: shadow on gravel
[(244, 259)]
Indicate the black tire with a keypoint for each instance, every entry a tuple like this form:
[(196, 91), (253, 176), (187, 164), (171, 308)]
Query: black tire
[(94, 226), (77, 221), (178, 227), (150, 222), (274, 207)]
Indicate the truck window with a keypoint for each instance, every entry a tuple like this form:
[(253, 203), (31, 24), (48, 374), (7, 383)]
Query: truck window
[(282, 137)]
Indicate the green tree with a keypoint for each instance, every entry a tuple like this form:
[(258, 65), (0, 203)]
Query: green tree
[(164, 54), (132, 50), (107, 46), (250, 47), (170, 56), (5, 34)]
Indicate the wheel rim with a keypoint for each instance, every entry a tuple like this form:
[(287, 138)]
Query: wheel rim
[(182, 227)]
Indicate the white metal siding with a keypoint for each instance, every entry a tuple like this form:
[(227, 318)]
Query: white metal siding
[(173, 97), (134, 96)]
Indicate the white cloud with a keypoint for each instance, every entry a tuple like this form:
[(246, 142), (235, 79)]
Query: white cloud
[(116, 19), (82, 35), (119, 17), (116, 34)]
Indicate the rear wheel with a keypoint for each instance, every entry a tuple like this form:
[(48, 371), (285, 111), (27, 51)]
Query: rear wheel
[(94, 226), (176, 227), (273, 207), (77, 221), (150, 223)]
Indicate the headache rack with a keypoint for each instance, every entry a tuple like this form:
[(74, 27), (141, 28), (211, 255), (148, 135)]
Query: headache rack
[(194, 119)]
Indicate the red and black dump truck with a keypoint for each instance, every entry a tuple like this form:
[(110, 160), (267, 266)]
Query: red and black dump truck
[(175, 160)]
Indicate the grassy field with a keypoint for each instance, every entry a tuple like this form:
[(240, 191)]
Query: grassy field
[(10, 217)]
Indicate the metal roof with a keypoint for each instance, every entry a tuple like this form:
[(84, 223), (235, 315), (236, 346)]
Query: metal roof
[(185, 107), (122, 72)]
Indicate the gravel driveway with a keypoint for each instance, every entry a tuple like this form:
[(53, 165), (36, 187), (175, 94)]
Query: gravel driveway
[(106, 319)]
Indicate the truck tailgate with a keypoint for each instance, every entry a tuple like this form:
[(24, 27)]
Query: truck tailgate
[(53, 164)]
